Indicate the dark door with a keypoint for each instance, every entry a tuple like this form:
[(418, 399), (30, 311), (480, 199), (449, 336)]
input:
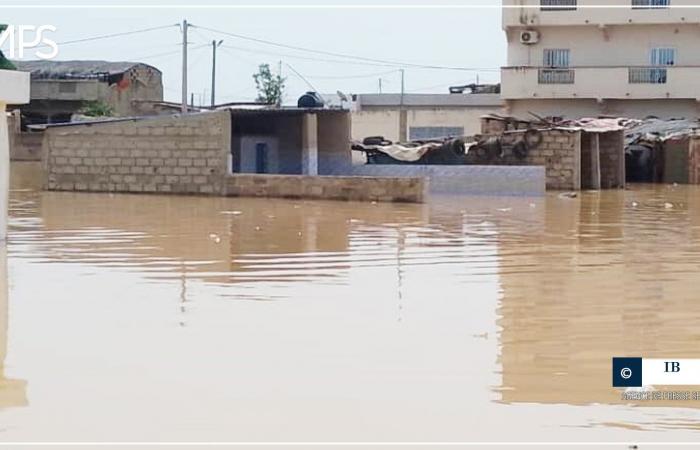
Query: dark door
[(261, 157)]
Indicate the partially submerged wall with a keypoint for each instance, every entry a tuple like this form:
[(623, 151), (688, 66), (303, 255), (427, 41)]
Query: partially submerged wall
[(24, 145), (466, 180), (179, 154), (384, 189), (559, 152)]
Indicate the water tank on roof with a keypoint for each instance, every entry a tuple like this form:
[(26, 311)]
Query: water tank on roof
[(310, 100)]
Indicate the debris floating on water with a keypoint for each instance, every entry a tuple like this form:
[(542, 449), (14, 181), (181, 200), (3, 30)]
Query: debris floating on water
[(635, 204), (215, 237), (568, 195), (232, 213), (668, 205)]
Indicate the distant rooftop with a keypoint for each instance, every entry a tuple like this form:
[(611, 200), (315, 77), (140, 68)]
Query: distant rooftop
[(45, 69), (428, 100)]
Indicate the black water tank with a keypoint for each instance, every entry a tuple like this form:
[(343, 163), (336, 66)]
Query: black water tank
[(310, 100)]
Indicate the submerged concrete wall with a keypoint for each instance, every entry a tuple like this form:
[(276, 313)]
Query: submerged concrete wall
[(24, 145), (179, 154), (384, 189), (466, 180)]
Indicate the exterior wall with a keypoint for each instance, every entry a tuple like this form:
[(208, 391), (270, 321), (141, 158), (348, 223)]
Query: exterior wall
[(333, 142), (467, 180), (531, 14), (286, 130), (140, 84), (384, 121), (569, 108), (615, 46), (611, 148), (605, 44), (385, 189), (694, 161), (24, 146), (186, 155), (559, 152)]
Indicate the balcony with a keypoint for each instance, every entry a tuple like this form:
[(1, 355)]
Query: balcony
[(533, 13), (637, 82)]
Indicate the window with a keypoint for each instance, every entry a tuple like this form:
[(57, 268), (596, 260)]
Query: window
[(67, 87), (555, 71), (557, 5), (663, 56), (648, 4), (427, 133), (556, 57), (654, 75)]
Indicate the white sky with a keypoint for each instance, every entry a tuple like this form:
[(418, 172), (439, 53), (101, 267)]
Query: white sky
[(436, 36)]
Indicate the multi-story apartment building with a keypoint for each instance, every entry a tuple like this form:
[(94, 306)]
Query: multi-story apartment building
[(633, 58)]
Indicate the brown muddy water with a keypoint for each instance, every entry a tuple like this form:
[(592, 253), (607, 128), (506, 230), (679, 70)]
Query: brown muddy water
[(162, 318)]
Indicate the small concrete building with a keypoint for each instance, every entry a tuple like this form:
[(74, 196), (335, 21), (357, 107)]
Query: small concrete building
[(60, 89), (291, 153), (420, 116)]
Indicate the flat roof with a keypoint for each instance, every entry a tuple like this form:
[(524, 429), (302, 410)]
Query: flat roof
[(427, 100)]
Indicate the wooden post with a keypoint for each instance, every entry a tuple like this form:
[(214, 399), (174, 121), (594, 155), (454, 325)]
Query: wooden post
[(595, 160)]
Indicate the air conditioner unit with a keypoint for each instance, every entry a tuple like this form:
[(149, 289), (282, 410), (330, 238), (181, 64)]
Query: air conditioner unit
[(529, 37)]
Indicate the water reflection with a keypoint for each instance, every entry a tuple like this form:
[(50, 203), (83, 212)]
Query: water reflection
[(606, 275)]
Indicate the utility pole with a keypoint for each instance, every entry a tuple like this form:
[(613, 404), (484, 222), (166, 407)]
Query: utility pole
[(279, 74), (185, 26), (380, 85), (403, 116), (214, 46)]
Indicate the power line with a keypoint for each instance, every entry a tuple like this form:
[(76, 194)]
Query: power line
[(113, 35), (342, 55), (348, 77)]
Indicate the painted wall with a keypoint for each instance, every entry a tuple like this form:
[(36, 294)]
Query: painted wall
[(375, 121), (570, 108)]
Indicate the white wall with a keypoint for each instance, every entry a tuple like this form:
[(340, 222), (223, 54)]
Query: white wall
[(571, 108), (624, 45)]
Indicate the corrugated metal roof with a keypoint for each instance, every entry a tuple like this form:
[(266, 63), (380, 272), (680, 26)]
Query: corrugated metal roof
[(45, 69), (427, 100)]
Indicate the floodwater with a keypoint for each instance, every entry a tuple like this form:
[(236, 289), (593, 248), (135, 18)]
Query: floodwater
[(162, 318)]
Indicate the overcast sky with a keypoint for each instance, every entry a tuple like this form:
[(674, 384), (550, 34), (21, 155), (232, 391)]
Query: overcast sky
[(454, 37)]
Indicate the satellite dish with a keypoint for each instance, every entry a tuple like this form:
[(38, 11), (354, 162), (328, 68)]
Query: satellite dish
[(343, 97)]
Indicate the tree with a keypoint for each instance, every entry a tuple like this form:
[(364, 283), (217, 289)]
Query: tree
[(5, 64), (270, 87), (96, 109)]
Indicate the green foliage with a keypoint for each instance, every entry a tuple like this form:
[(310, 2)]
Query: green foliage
[(97, 109), (5, 64), (270, 87)]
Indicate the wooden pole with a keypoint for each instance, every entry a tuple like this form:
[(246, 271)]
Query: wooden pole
[(595, 161)]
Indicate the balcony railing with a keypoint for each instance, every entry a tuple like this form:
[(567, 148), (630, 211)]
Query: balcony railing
[(648, 75), (555, 76), (557, 5)]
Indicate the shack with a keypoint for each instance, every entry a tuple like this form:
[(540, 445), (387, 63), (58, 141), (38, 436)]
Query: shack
[(262, 152), (60, 89), (663, 151)]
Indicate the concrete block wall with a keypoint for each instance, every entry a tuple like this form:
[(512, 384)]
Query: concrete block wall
[(383, 189), (178, 154), (560, 154), (612, 159)]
